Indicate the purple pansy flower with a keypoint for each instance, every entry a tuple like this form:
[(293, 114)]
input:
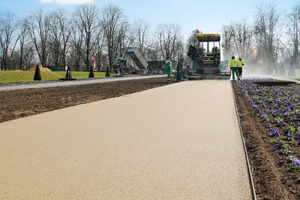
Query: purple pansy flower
[(296, 162)]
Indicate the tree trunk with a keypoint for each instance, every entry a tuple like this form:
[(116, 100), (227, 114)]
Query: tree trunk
[(21, 57)]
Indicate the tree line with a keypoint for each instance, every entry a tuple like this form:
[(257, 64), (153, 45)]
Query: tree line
[(59, 38), (271, 39)]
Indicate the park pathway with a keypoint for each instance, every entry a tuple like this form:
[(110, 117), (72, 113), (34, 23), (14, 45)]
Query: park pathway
[(180, 141)]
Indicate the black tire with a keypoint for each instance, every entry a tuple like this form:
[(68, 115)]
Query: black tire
[(216, 72)]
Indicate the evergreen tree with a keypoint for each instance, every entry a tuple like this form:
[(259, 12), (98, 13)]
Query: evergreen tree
[(107, 73), (37, 74), (91, 75)]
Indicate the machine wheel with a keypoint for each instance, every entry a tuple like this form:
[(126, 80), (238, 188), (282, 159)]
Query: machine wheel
[(216, 72), (185, 74), (200, 71)]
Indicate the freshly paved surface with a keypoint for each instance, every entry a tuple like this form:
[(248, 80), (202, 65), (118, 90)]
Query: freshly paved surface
[(76, 82), (180, 141)]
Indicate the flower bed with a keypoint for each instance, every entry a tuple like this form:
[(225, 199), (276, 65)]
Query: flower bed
[(278, 108)]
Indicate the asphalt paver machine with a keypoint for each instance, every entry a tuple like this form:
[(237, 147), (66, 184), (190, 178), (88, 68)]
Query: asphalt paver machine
[(206, 59)]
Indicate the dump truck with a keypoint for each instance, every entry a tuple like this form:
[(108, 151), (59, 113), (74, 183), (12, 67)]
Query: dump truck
[(138, 58), (206, 59), (119, 66)]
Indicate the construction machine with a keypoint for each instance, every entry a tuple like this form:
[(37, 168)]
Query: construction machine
[(119, 66), (141, 64), (139, 59), (206, 59)]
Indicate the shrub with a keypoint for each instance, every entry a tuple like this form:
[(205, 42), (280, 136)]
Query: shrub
[(91, 75), (37, 74)]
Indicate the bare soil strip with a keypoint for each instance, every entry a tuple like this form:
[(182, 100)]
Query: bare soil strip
[(22, 103)]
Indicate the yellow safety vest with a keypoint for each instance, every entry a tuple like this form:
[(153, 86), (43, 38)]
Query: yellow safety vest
[(233, 63), (241, 63)]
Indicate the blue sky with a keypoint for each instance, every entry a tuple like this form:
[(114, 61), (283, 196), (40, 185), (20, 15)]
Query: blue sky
[(206, 15)]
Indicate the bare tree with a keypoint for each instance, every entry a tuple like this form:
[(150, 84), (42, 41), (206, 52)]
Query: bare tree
[(122, 36), (86, 17), (241, 34), (141, 30), (112, 22), (9, 38), (75, 48), (179, 53), (153, 51), (227, 41), (293, 19), (39, 24), (168, 36), (267, 20), (29, 55), (126, 37), (23, 29), (60, 31), (99, 50), (237, 39), (54, 52)]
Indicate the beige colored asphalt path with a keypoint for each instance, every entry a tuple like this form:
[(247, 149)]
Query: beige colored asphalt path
[(179, 141)]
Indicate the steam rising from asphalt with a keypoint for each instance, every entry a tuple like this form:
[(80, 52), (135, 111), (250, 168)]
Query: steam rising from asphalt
[(281, 70)]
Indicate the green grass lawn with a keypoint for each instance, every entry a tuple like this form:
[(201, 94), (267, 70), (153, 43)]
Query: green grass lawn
[(25, 76)]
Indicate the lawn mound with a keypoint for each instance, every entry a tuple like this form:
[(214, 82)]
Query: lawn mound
[(42, 69)]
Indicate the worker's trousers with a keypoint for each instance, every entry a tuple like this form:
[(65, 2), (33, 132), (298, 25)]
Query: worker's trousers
[(234, 70), (178, 75), (240, 69), (169, 76)]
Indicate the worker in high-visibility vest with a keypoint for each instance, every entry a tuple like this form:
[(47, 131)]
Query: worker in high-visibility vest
[(240, 68), (233, 65), (168, 65)]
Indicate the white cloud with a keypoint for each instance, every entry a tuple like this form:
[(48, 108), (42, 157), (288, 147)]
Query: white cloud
[(68, 1)]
